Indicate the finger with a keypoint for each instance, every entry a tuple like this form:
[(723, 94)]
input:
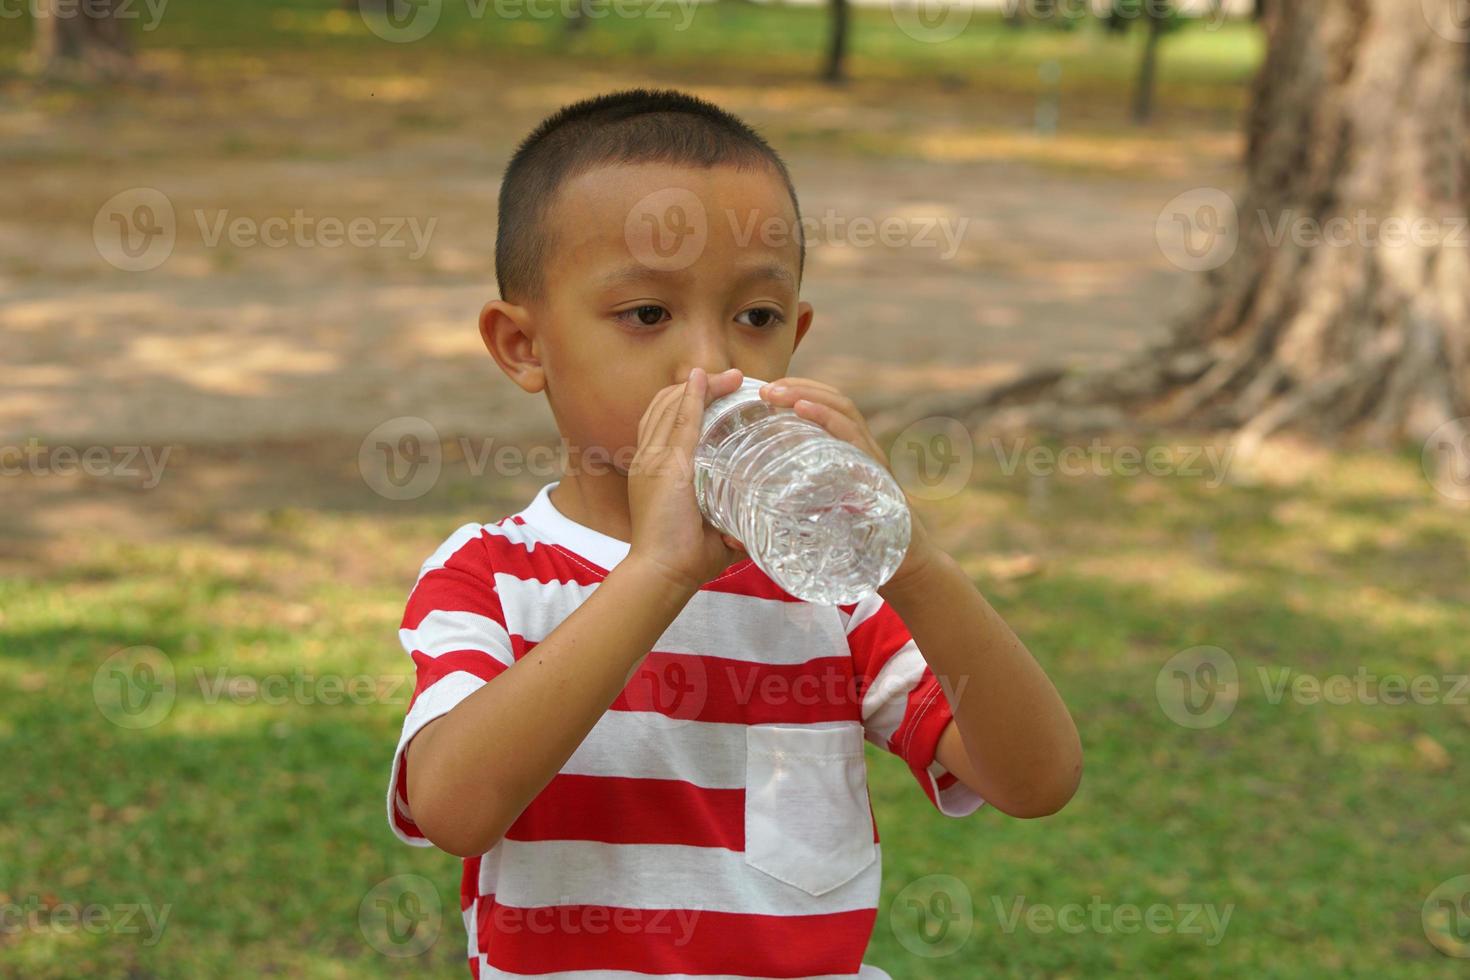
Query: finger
[(689, 411), (663, 421), (822, 396), (685, 402), (720, 385), (654, 411), (724, 383), (829, 418), (794, 382)]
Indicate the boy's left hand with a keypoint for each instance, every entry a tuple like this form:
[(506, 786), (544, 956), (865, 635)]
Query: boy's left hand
[(835, 412)]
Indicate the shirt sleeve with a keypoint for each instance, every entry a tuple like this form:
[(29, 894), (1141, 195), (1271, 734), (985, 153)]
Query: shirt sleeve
[(454, 630), (904, 708)]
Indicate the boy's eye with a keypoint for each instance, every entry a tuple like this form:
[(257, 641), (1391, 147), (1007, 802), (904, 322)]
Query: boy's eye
[(648, 315), (764, 316)]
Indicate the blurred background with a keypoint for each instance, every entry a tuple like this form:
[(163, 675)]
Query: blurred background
[(1160, 308)]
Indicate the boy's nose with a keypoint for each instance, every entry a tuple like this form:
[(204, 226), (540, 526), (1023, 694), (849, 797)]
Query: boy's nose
[(713, 372)]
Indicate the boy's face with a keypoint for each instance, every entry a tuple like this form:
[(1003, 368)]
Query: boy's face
[(654, 270)]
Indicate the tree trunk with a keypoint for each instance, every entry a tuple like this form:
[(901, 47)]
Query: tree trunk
[(1143, 92), (834, 72), (1323, 320), (577, 19), (83, 40)]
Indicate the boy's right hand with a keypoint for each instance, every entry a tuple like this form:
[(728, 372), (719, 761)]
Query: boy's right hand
[(668, 529)]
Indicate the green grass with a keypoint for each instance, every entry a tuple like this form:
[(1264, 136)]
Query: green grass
[(1323, 827), (1201, 67)]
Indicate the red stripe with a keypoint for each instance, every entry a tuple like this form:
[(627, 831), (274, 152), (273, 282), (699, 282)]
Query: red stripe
[(717, 689), (746, 579), (540, 562), (626, 810), (547, 939), (400, 791), (632, 810), (469, 883), (549, 562), (875, 641), (697, 687), (456, 589), (431, 669), (918, 736)]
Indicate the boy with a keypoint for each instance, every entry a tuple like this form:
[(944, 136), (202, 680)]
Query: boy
[(648, 754)]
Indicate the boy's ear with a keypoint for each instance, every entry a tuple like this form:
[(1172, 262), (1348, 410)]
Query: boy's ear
[(803, 323), (509, 333)]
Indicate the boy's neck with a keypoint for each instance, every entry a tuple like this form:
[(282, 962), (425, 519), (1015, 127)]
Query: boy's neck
[(598, 501)]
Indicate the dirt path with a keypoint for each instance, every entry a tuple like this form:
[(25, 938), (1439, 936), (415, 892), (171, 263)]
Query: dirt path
[(237, 344), (229, 349)]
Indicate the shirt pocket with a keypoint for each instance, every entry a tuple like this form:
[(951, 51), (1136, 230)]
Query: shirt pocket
[(807, 819)]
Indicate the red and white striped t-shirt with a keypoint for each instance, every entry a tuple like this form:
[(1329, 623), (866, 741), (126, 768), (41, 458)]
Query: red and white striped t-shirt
[(716, 821)]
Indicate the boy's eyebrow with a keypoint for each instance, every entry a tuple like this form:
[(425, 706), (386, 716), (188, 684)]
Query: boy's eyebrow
[(770, 271), (635, 272)]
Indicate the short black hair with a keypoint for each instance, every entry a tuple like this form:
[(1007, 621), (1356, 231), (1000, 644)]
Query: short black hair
[(630, 126)]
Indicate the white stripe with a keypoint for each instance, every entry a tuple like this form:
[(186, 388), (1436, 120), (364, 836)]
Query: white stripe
[(465, 533), (957, 801), (508, 529), (628, 744), (533, 608), (489, 871), (649, 745), (866, 608), (886, 699), (444, 631), (716, 624), (663, 876)]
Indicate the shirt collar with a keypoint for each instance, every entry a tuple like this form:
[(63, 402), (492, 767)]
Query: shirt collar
[(601, 549)]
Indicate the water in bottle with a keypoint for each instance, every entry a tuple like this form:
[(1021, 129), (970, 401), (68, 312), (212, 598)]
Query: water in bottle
[(818, 515)]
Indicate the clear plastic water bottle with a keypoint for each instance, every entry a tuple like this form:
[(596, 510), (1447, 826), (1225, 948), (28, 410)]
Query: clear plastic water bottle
[(818, 515)]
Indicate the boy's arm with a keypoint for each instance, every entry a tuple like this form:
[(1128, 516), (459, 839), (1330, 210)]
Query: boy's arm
[(472, 771), (1020, 748), (1012, 739)]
